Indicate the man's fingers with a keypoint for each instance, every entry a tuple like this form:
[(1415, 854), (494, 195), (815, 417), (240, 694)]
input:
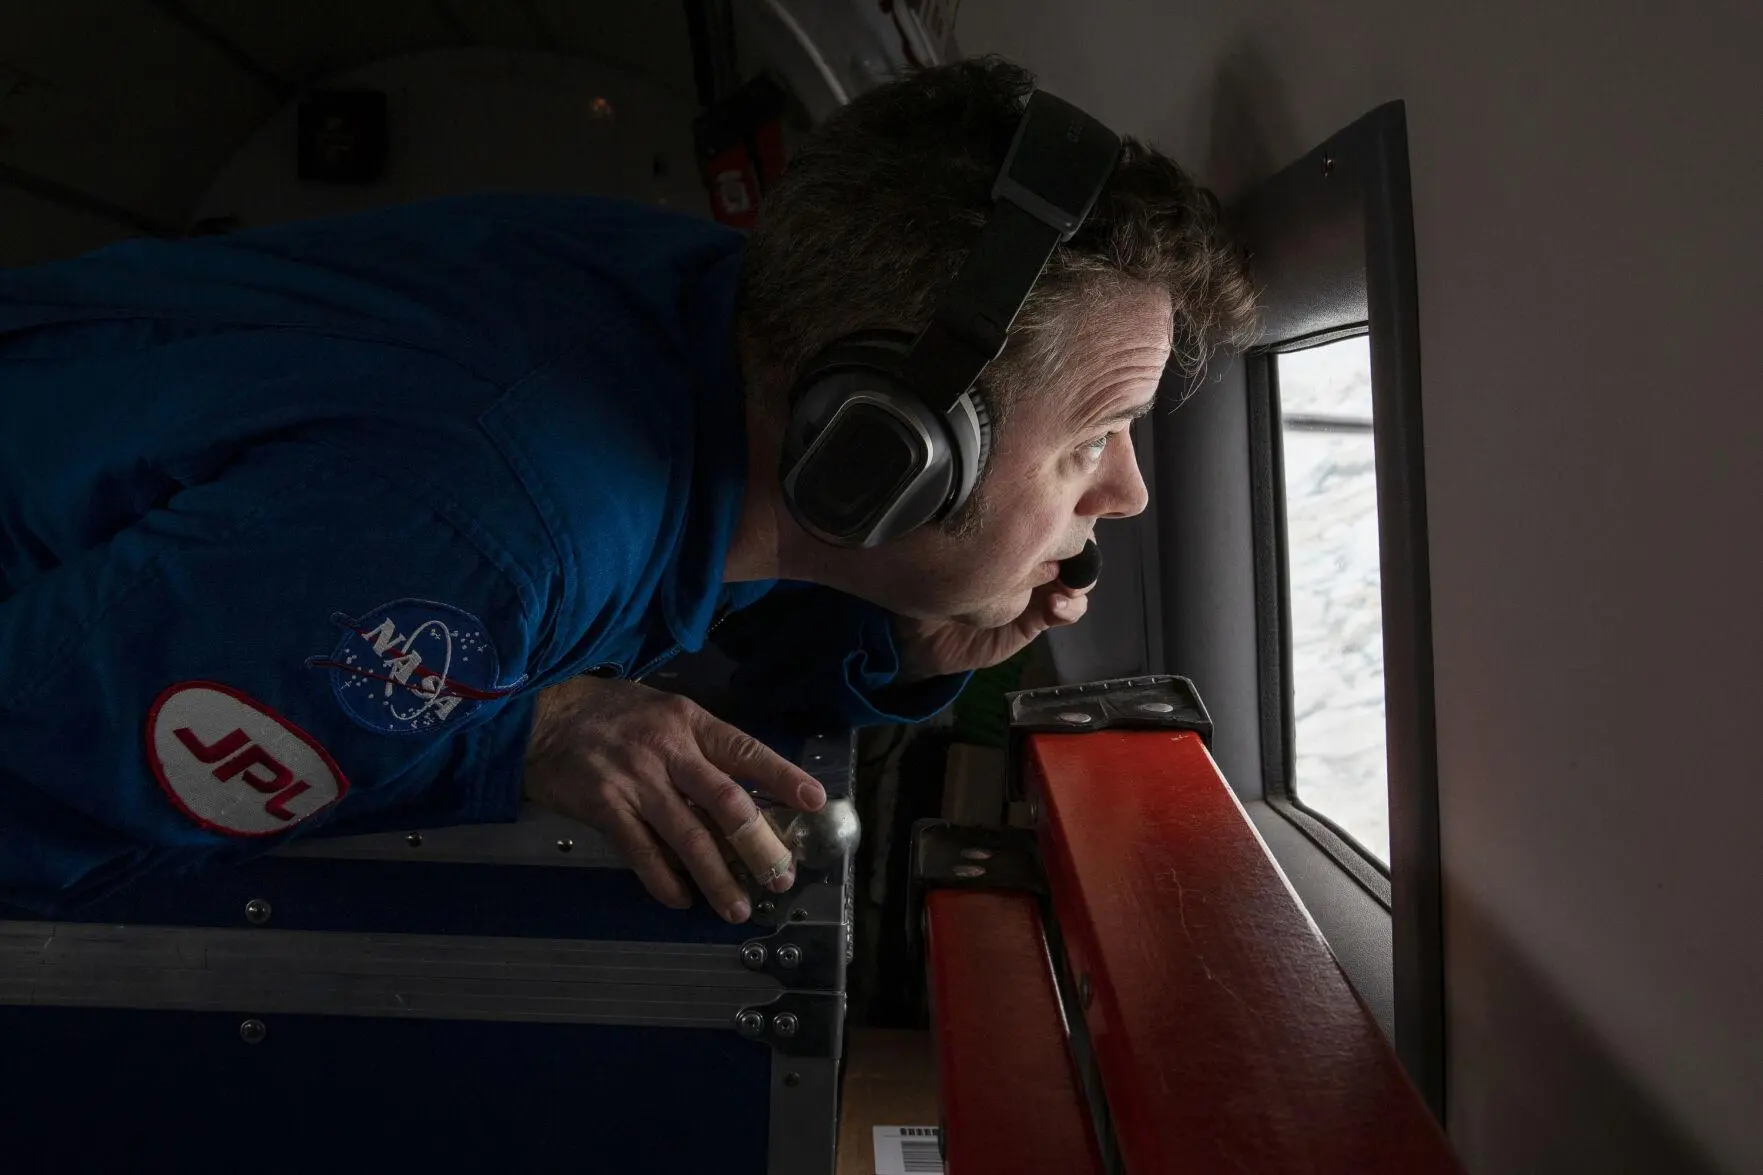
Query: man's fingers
[(1067, 609), (745, 757), (698, 850), (734, 813), (644, 855)]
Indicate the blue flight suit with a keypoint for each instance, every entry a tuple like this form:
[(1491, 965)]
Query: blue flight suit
[(294, 523)]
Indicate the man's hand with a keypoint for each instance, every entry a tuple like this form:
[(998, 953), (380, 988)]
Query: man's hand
[(931, 648), (638, 764)]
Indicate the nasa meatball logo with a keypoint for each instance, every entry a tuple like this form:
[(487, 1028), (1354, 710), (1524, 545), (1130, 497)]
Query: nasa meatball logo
[(409, 666), (233, 765)]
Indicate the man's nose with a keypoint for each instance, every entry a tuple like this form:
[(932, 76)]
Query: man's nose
[(1120, 492)]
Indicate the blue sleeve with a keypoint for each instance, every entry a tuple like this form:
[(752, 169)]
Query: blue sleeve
[(296, 645), (811, 655)]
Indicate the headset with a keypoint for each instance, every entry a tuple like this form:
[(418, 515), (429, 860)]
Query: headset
[(887, 431)]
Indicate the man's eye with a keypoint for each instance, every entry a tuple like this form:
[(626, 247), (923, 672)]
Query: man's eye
[(1092, 452)]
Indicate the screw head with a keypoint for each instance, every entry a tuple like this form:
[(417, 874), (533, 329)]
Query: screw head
[(753, 956), (750, 1024), (253, 1032), (792, 1080), (414, 840), (969, 871), (786, 1024), (766, 907), (565, 844), (798, 915), (789, 955), (1073, 718), (257, 911), (977, 854)]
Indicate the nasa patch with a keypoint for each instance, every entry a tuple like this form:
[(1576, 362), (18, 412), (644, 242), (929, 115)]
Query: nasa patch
[(411, 665), (233, 765)]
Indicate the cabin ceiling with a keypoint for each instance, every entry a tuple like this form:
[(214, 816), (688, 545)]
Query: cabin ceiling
[(135, 104)]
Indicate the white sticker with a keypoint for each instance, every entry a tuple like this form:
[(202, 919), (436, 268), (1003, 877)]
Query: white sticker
[(908, 1150), (233, 765)]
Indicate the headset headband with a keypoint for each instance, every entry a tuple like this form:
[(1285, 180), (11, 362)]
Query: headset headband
[(1058, 163)]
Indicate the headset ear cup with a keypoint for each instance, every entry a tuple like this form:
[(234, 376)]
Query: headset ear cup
[(983, 414)]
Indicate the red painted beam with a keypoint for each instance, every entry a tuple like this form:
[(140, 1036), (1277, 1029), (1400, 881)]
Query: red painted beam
[(1010, 1098), (1227, 1038)]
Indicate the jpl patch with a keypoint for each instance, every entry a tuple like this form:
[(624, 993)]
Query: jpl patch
[(233, 765), (408, 666)]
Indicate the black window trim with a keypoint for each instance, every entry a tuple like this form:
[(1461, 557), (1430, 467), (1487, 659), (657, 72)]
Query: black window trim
[(1332, 245)]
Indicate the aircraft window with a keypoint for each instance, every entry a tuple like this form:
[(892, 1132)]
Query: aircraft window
[(1334, 596)]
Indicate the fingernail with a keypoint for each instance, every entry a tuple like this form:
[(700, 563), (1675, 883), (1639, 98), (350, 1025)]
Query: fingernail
[(810, 795), (739, 912)]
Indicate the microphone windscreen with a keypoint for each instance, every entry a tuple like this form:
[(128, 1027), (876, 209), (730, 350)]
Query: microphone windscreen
[(1083, 568)]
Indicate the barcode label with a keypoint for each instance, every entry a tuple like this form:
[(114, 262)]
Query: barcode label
[(907, 1150)]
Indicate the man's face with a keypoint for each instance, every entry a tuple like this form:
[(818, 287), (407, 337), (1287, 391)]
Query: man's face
[(1062, 460)]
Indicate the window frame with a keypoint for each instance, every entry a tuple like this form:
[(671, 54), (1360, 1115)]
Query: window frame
[(1330, 242)]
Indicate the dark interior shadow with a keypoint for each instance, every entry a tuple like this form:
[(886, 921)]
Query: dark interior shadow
[(1549, 1096), (1253, 133)]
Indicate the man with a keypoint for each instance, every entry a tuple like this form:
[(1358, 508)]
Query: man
[(372, 523)]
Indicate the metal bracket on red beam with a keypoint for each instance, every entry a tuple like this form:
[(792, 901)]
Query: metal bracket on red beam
[(1157, 702), (946, 855), (975, 856)]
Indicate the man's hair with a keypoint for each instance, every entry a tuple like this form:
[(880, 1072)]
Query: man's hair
[(880, 205)]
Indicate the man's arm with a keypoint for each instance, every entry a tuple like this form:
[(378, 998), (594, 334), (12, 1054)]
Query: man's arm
[(296, 645)]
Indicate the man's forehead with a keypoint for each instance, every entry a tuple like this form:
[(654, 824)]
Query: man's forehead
[(1119, 353)]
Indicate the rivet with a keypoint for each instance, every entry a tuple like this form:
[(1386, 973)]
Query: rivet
[(1157, 708), (414, 840), (1073, 718), (564, 845), (977, 854), (253, 1032), (766, 907), (750, 1024), (786, 1024), (969, 871), (798, 915), (753, 956), (792, 1080), (257, 911)]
